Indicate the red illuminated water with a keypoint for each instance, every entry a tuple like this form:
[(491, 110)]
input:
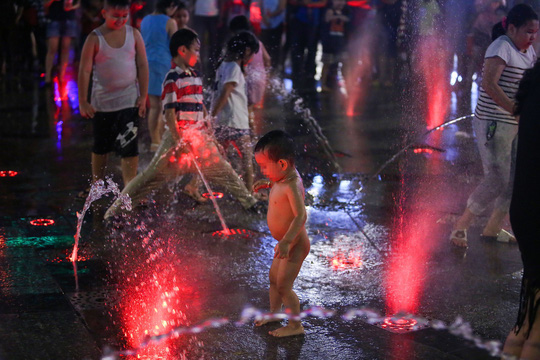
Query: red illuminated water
[(212, 197)]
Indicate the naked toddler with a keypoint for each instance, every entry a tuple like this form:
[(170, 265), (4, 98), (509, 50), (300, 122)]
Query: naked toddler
[(286, 218)]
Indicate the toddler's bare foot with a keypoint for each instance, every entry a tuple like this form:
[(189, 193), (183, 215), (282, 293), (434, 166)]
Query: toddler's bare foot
[(265, 321), (288, 331)]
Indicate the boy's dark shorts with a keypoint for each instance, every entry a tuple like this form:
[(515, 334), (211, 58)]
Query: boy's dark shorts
[(116, 131)]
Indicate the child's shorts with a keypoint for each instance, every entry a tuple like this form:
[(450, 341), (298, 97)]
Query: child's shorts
[(62, 28), (225, 133), (116, 131)]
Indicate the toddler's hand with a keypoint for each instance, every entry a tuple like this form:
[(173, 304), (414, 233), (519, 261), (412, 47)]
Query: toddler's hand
[(86, 110), (141, 104), (261, 184), (281, 251)]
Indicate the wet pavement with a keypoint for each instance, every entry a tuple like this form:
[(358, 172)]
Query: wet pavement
[(384, 248)]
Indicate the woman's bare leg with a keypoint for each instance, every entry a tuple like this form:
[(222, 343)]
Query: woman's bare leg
[(52, 49)]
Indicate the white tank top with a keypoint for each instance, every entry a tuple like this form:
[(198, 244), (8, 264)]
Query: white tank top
[(114, 81)]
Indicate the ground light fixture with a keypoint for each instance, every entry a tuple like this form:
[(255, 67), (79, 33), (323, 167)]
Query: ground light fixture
[(42, 222), (217, 195), (8, 173)]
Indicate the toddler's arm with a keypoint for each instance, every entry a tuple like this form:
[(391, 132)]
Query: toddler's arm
[(142, 72), (85, 69), (223, 97), (296, 201)]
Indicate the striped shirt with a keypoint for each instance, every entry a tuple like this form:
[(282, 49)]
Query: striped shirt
[(183, 92), (516, 64)]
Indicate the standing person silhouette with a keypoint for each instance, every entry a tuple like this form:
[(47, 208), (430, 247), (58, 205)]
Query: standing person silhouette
[(495, 125)]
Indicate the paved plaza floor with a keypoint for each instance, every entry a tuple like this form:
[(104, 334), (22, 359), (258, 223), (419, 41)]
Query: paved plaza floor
[(379, 242)]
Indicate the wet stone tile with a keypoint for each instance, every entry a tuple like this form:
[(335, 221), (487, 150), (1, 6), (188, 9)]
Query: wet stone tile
[(89, 274), (47, 335), (27, 303)]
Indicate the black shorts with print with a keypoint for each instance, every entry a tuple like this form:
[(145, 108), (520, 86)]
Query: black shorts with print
[(117, 131)]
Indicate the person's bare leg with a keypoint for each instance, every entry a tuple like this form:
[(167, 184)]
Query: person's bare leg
[(52, 49), (275, 298), (324, 78), (287, 273), (494, 224), (64, 57), (154, 116), (247, 153), (99, 163), (129, 168)]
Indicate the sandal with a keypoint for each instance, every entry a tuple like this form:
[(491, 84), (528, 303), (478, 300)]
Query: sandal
[(459, 238), (503, 236), (506, 237)]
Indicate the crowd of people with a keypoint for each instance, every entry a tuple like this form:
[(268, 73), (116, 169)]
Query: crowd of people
[(38, 35)]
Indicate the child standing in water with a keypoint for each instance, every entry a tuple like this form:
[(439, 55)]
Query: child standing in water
[(231, 103), (114, 54), (286, 218)]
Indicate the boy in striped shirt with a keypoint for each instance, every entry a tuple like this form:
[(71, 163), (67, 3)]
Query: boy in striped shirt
[(188, 138)]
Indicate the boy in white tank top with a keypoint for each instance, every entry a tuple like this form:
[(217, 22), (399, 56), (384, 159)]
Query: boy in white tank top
[(116, 54)]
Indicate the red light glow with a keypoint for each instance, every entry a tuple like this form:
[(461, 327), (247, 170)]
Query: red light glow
[(352, 260), (399, 324), (363, 4), (423, 150), (8, 173), (232, 232), (42, 222), (157, 300), (432, 50), (217, 195)]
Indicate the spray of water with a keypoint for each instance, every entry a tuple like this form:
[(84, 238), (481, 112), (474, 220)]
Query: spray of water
[(458, 328), (277, 86), (207, 185), (97, 190)]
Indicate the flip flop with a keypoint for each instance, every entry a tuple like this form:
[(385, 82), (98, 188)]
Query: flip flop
[(503, 236), (459, 238), (506, 237)]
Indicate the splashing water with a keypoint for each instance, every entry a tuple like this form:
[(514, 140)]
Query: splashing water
[(277, 86), (458, 328), (226, 230), (97, 190)]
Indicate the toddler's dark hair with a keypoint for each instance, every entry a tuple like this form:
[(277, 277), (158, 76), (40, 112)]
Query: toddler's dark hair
[(239, 23), (518, 16), (183, 37), (278, 145), (118, 3), (162, 5)]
